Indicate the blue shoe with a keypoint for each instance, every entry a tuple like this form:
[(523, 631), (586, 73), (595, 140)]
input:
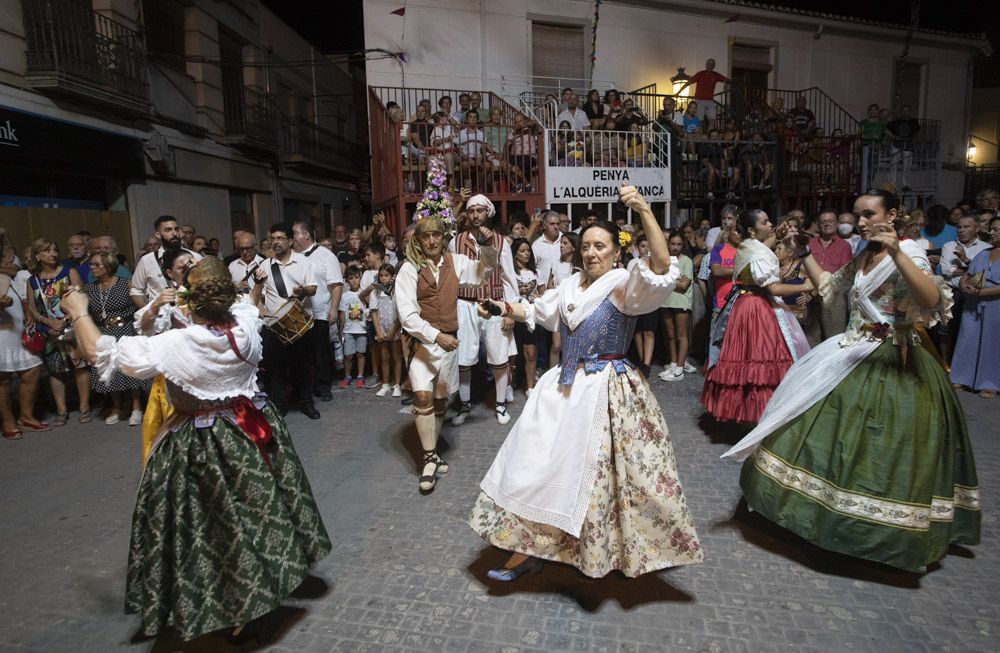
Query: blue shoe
[(533, 565)]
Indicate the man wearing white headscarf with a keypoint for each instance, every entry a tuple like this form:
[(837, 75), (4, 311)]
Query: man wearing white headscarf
[(496, 332)]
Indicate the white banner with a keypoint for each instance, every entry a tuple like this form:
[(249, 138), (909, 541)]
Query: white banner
[(578, 185)]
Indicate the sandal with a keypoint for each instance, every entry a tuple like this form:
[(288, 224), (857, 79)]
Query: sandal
[(61, 419), (987, 394), (11, 435), (85, 416), (427, 482), (34, 425)]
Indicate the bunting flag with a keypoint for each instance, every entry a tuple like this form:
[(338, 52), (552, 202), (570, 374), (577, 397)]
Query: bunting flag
[(399, 12), (593, 43)]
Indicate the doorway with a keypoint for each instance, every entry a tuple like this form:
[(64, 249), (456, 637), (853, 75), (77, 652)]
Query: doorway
[(750, 69)]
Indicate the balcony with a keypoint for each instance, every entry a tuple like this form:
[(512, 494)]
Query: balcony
[(75, 52), (251, 119), (307, 146)]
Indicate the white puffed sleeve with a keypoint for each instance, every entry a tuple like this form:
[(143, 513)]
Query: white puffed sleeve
[(545, 310), (646, 290), (134, 356), (764, 271)]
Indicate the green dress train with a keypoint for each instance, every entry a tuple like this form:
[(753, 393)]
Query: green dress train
[(863, 449)]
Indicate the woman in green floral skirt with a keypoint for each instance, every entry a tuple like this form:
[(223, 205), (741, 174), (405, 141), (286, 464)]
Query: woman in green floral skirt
[(863, 448), (225, 525)]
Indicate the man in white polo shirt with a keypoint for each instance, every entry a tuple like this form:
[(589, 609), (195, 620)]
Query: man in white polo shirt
[(148, 280), (323, 305), (547, 249), (289, 275)]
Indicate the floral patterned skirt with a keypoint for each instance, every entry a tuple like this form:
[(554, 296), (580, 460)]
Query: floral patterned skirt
[(637, 521)]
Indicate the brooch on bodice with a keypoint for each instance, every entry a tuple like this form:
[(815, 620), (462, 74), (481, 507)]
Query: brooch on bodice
[(571, 307)]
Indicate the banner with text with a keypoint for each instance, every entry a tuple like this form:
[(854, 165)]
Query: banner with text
[(572, 185)]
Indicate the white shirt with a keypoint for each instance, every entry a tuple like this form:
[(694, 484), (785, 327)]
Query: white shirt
[(952, 269), (296, 271), (349, 301), (547, 255), (148, 280), (711, 237), (238, 270), (407, 307), (578, 120), (326, 267)]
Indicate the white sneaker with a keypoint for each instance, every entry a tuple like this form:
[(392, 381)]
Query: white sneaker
[(383, 391), (112, 419), (667, 372), (527, 392), (678, 375), (689, 368), (135, 419), (397, 391), (502, 415), (510, 394)]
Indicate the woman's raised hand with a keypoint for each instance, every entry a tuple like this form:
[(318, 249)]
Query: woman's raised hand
[(630, 197)]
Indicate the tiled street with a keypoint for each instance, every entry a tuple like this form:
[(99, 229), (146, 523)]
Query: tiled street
[(407, 574)]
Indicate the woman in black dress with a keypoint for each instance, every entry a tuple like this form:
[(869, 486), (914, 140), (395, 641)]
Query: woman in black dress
[(112, 311)]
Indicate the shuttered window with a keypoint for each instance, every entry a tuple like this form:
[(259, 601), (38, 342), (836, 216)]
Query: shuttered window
[(557, 51)]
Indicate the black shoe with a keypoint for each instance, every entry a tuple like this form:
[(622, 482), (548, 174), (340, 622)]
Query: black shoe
[(325, 395), (309, 410)]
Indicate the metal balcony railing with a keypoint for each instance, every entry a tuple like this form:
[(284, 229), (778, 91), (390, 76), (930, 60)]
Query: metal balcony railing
[(73, 50), (251, 118), (304, 143)]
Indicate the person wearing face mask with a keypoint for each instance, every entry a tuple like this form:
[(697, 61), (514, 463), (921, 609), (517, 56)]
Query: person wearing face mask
[(846, 229), (587, 475), (863, 448), (831, 253), (753, 342)]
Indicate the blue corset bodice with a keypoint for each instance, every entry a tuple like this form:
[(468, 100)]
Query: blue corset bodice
[(607, 331)]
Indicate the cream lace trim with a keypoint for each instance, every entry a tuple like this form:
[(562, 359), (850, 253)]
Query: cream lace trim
[(861, 506)]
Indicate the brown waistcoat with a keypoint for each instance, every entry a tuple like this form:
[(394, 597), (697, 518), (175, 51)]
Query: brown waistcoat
[(439, 301)]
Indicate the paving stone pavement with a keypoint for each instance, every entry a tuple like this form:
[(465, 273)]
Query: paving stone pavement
[(407, 574)]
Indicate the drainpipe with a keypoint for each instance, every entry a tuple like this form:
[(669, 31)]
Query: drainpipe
[(482, 44)]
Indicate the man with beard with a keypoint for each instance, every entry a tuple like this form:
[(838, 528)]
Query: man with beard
[(427, 303), (148, 280), (323, 305), (497, 332), (339, 240), (288, 275), (77, 256)]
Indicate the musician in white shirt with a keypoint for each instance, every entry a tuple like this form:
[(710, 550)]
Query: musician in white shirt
[(247, 260), (148, 280), (289, 276)]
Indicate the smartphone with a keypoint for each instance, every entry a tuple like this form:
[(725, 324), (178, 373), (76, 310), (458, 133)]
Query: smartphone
[(934, 252)]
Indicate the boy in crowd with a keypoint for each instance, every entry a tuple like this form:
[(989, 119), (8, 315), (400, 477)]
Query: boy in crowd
[(353, 330)]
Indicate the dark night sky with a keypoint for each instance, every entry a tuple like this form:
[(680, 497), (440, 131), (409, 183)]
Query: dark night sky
[(338, 25)]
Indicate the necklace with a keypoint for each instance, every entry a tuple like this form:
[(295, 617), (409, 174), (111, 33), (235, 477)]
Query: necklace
[(103, 296)]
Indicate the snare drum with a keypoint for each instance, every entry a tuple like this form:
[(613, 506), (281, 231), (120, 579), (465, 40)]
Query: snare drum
[(290, 322)]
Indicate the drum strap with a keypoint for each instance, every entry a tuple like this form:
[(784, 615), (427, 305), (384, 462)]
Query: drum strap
[(279, 281)]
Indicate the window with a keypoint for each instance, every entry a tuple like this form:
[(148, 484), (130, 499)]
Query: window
[(241, 211), (557, 51), (909, 86), (164, 21)]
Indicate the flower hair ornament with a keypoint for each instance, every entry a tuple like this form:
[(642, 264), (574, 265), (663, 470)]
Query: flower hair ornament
[(624, 238), (436, 201)]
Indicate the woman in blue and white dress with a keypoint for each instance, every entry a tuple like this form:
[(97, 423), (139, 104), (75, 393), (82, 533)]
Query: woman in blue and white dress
[(587, 475)]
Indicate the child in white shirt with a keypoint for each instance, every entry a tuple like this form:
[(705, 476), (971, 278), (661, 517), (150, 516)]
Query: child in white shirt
[(352, 315)]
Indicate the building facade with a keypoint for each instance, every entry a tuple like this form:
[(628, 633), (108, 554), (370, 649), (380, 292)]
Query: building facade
[(506, 47), (215, 112)]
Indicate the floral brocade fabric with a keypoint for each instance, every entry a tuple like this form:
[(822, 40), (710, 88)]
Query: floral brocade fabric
[(637, 521)]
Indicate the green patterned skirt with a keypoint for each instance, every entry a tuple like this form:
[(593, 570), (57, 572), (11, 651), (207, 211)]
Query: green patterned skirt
[(880, 469), (219, 539)]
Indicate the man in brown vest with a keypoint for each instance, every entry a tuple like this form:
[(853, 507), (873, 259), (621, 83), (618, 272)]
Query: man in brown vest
[(497, 332), (427, 303)]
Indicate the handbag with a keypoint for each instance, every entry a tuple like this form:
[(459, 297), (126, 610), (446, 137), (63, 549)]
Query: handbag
[(33, 340)]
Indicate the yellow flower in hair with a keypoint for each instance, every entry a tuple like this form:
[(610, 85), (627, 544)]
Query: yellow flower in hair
[(624, 238)]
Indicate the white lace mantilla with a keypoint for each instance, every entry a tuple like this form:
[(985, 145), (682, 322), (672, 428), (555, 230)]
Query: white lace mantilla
[(862, 506)]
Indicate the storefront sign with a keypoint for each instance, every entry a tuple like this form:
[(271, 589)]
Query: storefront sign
[(578, 185), (33, 141)]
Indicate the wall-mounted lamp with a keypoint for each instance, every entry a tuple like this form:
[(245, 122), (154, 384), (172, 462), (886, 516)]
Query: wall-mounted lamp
[(679, 80), (970, 152)]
